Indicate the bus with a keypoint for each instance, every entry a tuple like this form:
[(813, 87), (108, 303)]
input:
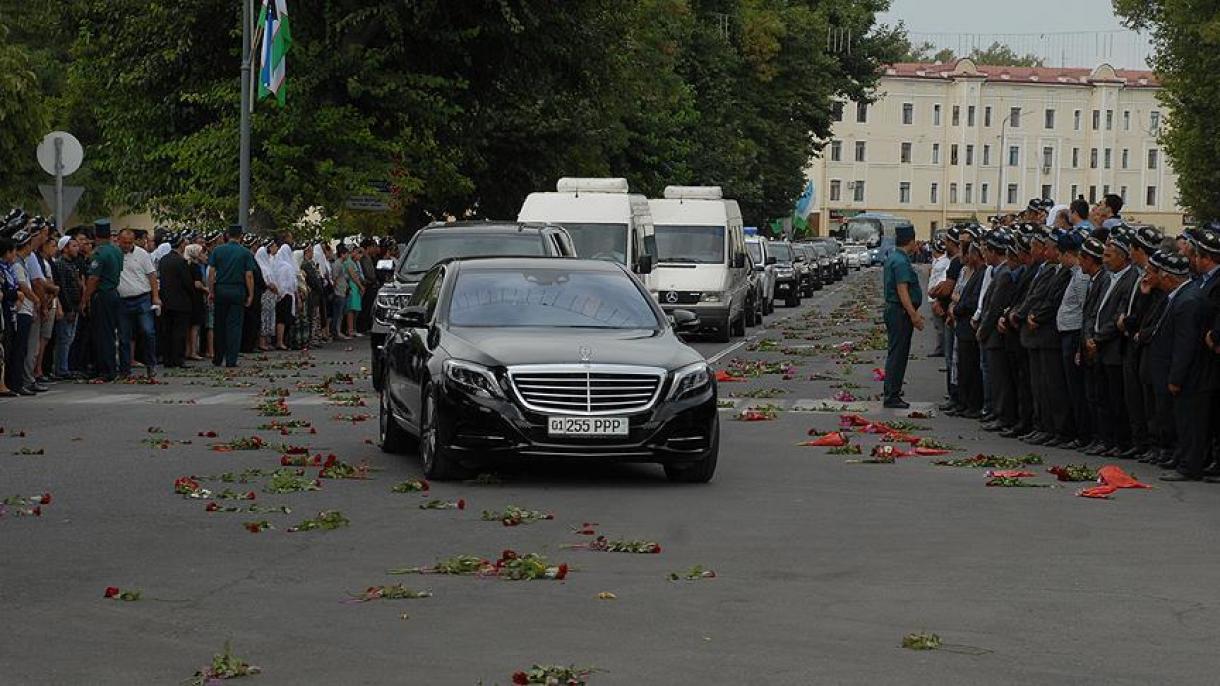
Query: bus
[(875, 230)]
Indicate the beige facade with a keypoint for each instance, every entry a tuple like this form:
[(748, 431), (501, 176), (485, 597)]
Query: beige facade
[(953, 141)]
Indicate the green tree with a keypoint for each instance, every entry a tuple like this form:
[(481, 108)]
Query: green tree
[(1186, 40), (998, 54), (23, 120)]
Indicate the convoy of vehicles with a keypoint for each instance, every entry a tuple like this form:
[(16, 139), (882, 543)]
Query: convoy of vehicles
[(557, 335)]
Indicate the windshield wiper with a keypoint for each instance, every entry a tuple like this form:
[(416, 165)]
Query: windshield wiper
[(680, 260)]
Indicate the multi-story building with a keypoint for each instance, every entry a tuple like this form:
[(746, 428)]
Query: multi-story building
[(948, 142)]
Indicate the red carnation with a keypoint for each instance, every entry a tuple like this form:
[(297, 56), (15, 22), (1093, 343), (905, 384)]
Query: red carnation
[(423, 484), (37, 510), (656, 548), (111, 591), (317, 482), (520, 678), (462, 504), (253, 527), (211, 507), (508, 554), (313, 430), (562, 572), (330, 461), (285, 460), (283, 432), (250, 495), (45, 499)]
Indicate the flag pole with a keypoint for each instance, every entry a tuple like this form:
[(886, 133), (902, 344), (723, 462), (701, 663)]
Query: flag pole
[(243, 207)]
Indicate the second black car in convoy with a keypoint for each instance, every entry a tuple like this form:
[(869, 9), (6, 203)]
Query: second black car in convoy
[(572, 359)]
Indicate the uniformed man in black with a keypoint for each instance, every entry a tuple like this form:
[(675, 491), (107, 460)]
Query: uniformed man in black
[(1107, 342)]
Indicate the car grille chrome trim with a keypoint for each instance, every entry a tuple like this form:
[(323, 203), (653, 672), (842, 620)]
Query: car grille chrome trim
[(587, 389)]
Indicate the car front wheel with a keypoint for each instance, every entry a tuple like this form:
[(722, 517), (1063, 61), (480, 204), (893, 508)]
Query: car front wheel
[(699, 472), (390, 435), (438, 461)]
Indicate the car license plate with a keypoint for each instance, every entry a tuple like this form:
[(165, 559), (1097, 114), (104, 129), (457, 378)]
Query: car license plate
[(587, 426)]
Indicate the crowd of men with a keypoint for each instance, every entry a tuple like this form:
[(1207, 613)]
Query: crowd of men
[(1065, 326), (90, 303)]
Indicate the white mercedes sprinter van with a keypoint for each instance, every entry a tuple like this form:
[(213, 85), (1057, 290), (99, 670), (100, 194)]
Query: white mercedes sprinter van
[(604, 219), (702, 262)]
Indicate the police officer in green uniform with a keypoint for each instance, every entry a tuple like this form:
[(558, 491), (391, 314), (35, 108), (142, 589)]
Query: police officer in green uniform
[(231, 289), (902, 299), (101, 299)]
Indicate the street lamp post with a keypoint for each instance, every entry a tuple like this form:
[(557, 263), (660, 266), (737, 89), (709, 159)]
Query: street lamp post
[(999, 192)]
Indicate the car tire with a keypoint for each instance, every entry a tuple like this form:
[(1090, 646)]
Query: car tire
[(751, 314), (436, 458), (769, 304), (793, 300), (699, 472), (391, 437), (375, 364)]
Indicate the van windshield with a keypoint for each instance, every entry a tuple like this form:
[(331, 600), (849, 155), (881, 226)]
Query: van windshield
[(690, 244), (783, 253), (599, 241), (755, 252)]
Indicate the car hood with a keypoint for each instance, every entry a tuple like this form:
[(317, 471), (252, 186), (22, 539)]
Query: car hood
[(695, 277), (509, 346)]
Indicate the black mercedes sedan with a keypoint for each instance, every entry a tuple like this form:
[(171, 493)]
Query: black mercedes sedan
[(503, 358)]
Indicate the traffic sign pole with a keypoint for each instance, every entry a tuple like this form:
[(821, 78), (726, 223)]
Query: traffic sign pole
[(60, 220)]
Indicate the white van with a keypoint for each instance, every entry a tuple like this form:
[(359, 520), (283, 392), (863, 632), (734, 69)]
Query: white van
[(604, 219), (702, 263)]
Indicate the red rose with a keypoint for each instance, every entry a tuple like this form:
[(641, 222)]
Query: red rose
[(37, 510), (313, 430), (283, 432), (317, 482), (253, 527), (285, 461), (461, 504), (520, 678), (330, 461), (250, 495), (111, 591), (508, 555), (423, 484), (211, 507), (562, 572), (45, 499), (655, 549)]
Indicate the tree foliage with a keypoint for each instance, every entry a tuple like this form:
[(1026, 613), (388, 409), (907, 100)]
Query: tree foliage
[(1186, 38), (996, 54), (463, 107), (23, 118)]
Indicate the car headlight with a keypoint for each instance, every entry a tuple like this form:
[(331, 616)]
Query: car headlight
[(392, 302), (710, 297), (473, 378), (690, 380), (784, 271)]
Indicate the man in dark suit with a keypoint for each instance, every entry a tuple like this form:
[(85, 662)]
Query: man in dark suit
[(1206, 264), (1091, 262), (177, 287), (1001, 256), (1144, 300), (1177, 364), (1045, 270), (1107, 342), (1029, 253), (969, 371), (1044, 339)]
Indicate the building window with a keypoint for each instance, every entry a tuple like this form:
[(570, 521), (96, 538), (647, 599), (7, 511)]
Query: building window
[(953, 154), (1092, 193), (1126, 120), (969, 155), (987, 116), (935, 195), (836, 190), (936, 153), (1048, 158), (969, 193), (1075, 158), (1105, 190), (986, 155), (1050, 119), (1076, 120), (908, 113), (1122, 193), (1150, 200), (836, 151), (1075, 189), (1093, 158), (904, 192), (1109, 120), (836, 111), (957, 115), (1014, 117), (970, 115), (936, 114), (858, 192), (1096, 119), (1046, 191), (1126, 158), (1012, 194), (860, 151), (983, 194), (1014, 155), (953, 194), (862, 112), (904, 154), (1152, 158), (1154, 121), (1109, 155)]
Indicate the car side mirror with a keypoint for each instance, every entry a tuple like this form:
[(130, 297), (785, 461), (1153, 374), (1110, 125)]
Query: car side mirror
[(771, 259), (412, 317), (739, 260), (684, 320), (798, 259), (643, 265)]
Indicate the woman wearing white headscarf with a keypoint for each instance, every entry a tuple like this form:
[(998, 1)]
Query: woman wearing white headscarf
[(284, 268), (318, 258), (268, 299), (161, 251)]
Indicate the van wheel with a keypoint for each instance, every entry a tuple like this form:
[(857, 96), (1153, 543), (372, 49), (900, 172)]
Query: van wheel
[(751, 315), (723, 335)]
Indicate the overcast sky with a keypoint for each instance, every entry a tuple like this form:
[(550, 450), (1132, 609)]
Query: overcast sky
[(1098, 35)]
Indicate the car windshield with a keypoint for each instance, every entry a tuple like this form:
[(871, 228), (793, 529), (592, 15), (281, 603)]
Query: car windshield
[(599, 241), (783, 253), (438, 244), (755, 252), (557, 298), (690, 244)]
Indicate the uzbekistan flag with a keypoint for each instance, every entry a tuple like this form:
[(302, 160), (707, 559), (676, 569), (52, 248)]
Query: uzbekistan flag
[(277, 39)]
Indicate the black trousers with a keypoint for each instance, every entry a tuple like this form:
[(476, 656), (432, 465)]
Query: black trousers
[(1167, 432), (1116, 428), (1073, 377), (1052, 386), (230, 305), (1133, 398), (174, 325), (1018, 360), (250, 324), (104, 310), (1093, 389), (1193, 412), (969, 374), (1039, 415), (1003, 386)]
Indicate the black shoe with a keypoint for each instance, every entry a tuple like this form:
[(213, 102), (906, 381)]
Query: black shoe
[(970, 414), (945, 407), (1098, 450), (897, 404), (1028, 435), (1131, 453), (1012, 432), (936, 354), (1039, 439), (1075, 445), (988, 417), (40, 388), (1214, 470), (1177, 476), (992, 427), (1055, 442), (1149, 457), (25, 391), (1114, 452), (1212, 479)]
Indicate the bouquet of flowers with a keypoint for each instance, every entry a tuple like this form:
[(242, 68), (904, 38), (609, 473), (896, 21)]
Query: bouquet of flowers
[(115, 593), (285, 480), (759, 413), (334, 469), (276, 407), (1074, 472), (851, 449), (353, 418), (921, 641), (459, 504), (992, 461), (256, 526), (1012, 482), (224, 666)]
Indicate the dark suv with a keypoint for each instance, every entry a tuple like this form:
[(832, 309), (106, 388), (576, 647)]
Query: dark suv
[(439, 241)]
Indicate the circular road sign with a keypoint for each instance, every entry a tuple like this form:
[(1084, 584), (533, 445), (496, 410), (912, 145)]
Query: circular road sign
[(72, 153)]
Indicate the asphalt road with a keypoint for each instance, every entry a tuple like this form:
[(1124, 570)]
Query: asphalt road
[(822, 565)]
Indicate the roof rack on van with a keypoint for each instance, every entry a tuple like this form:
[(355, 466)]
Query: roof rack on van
[(570, 184), (693, 193)]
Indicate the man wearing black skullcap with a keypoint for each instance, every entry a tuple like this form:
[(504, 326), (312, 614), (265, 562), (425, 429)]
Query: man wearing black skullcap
[(1207, 267), (969, 371), (1092, 255), (177, 291), (1029, 256), (1043, 274), (1002, 256), (1041, 336), (943, 293), (902, 299), (1069, 320), (1142, 310), (1107, 343)]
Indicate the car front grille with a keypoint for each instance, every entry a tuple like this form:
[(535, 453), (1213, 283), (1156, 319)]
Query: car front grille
[(586, 389)]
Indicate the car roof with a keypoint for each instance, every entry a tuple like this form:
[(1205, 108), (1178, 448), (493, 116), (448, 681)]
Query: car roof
[(565, 263), (489, 227)]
